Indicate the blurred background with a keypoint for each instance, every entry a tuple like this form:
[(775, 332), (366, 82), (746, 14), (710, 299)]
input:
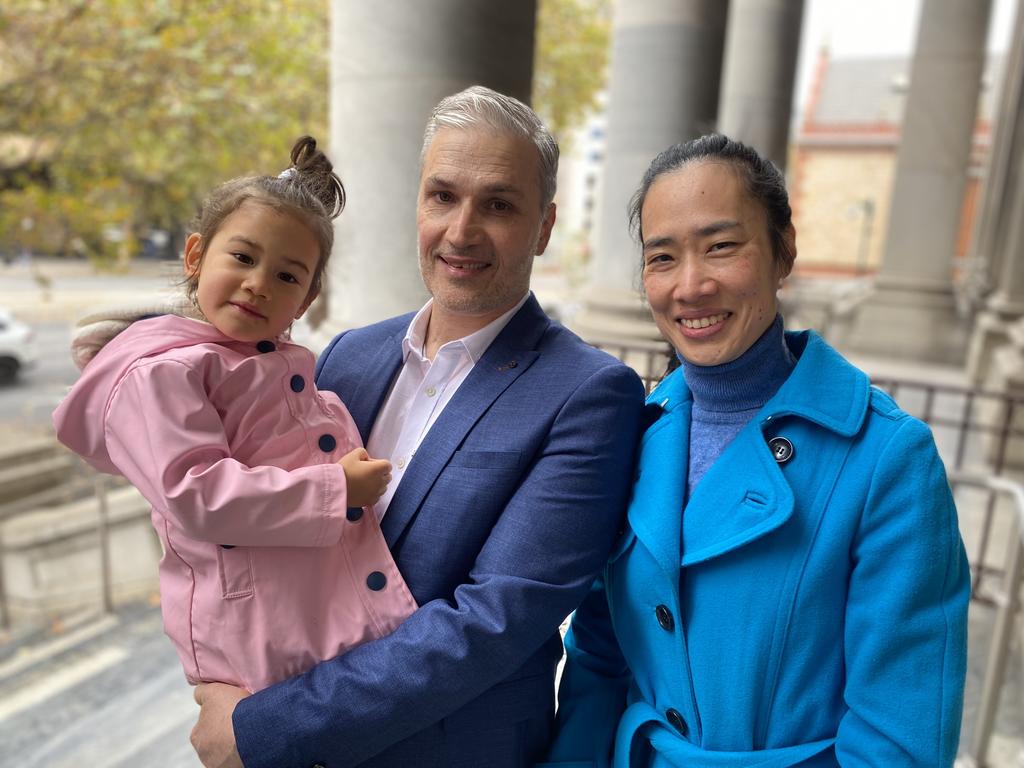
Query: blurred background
[(899, 124)]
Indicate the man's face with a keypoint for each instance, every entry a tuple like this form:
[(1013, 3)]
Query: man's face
[(479, 221)]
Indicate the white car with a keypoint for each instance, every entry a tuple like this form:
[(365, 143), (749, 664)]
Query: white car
[(17, 347)]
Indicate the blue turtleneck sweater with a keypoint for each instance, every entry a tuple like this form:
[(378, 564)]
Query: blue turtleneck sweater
[(727, 396)]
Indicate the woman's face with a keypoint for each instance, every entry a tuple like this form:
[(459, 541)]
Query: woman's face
[(708, 268)]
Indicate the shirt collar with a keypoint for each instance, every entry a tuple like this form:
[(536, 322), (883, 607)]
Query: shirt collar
[(475, 343)]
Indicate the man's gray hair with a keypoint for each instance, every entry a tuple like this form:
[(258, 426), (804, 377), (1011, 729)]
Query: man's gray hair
[(479, 106)]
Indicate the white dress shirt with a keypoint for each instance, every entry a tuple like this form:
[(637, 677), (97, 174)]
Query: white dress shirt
[(421, 391)]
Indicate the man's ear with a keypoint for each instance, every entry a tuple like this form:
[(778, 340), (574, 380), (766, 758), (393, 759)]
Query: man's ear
[(545, 229), (193, 254)]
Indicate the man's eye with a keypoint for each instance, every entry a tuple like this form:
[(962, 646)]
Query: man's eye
[(501, 206), (444, 196), (723, 246)]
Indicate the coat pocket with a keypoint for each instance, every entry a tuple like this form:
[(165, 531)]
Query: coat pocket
[(235, 566)]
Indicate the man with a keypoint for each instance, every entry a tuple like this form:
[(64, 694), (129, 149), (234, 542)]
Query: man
[(512, 445)]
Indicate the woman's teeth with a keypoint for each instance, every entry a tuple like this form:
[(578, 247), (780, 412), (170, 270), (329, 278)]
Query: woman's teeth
[(704, 322)]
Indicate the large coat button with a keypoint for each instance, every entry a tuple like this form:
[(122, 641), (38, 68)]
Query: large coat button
[(665, 618), (354, 514), (677, 721), (266, 346), (327, 443), (298, 383), (376, 581), (781, 449)]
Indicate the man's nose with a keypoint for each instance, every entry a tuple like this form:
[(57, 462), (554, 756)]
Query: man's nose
[(464, 226)]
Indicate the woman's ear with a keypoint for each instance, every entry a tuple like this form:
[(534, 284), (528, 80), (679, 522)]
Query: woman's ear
[(789, 240), (193, 254)]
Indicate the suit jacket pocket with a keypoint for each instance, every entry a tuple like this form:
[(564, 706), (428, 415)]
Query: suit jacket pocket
[(485, 459), (235, 566)]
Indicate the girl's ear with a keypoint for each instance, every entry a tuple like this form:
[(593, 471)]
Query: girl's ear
[(193, 254), (310, 298)]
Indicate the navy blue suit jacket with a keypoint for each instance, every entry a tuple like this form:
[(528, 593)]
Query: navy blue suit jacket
[(500, 524)]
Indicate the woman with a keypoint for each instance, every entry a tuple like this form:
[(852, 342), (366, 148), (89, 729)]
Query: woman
[(791, 587)]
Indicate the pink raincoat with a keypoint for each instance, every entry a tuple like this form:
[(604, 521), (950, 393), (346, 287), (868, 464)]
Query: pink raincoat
[(265, 572)]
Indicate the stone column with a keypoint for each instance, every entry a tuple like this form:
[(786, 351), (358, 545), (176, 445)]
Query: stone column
[(761, 46), (996, 244), (391, 62), (912, 314), (665, 67)]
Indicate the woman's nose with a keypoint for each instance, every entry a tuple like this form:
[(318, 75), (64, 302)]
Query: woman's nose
[(693, 281)]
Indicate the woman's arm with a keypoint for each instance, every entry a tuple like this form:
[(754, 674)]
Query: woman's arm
[(906, 617), (592, 690)]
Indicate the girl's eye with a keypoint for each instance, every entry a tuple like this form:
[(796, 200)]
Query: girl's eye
[(288, 277), (242, 258)]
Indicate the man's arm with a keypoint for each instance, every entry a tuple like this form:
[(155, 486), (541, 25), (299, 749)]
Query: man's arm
[(537, 564)]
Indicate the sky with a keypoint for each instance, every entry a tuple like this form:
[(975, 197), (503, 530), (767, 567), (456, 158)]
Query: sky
[(875, 28)]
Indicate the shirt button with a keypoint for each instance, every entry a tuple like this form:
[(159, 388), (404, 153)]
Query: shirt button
[(400, 463), (298, 383), (353, 514), (431, 391), (665, 618), (327, 443), (376, 581), (677, 721), (266, 346)]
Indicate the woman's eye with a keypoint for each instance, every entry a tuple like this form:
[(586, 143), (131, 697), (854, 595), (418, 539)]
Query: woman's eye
[(658, 258), (723, 246)]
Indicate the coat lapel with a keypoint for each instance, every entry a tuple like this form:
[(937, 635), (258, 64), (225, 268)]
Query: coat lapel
[(508, 357)]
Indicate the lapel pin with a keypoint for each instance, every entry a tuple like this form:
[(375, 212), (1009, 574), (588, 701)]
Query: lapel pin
[(510, 364)]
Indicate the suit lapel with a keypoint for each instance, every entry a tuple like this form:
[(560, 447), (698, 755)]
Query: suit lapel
[(508, 357), (374, 384)]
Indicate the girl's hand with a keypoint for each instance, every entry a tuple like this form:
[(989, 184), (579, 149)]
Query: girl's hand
[(367, 478)]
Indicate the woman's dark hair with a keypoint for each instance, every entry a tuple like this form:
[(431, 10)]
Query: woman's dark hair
[(764, 182), (308, 189)]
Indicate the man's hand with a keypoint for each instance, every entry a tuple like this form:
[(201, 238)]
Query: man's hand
[(213, 737), (367, 479)]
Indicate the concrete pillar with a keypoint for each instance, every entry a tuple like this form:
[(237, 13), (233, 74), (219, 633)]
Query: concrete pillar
[(997, 245), (665, 67), (912, 314), (758, 72), (391, 62)]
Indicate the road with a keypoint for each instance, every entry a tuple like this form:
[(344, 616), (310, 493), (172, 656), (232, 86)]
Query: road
[(27, 402)]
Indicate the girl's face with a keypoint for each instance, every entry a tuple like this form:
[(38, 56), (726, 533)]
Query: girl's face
[(708, 266), (256, 273)]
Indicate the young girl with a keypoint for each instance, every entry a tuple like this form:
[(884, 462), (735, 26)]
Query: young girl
[(256, 479)]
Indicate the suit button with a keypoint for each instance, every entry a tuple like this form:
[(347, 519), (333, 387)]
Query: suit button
[(376, 581), (319, 765), (266, 346), (353, 514), (781, 449), (298, 383), (665, 618), (677, 721), (327, 443)]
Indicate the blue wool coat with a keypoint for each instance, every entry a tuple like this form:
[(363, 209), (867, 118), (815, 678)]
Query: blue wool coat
[(811, 612)]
